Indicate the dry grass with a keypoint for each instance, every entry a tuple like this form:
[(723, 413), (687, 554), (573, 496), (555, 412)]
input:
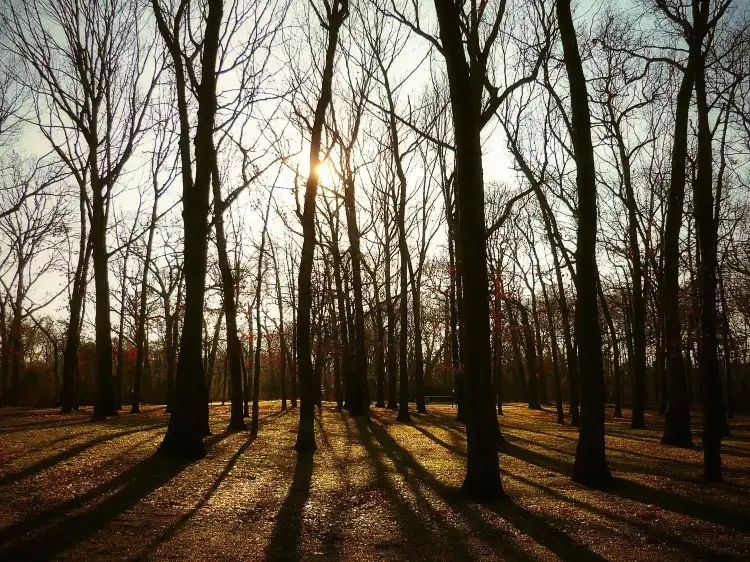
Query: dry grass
[(72, 489)]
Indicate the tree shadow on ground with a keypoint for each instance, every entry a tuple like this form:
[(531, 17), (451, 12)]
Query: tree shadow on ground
[(62, 456), (62, 526), (44, 424), (286, 536), (177, 525), (535, 526), (429, 540), (641, 493)]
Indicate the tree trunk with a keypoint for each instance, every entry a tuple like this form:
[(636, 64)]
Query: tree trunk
[(677, 419), (482, 479), (706, 225), (615, 351), (590, 465), (531, 367), (234, 348), (391, 312), (418, 354), (105, 398), (555, 356), (188, 422), (282, 334), (141, 330), (361, 406), (306, 431)]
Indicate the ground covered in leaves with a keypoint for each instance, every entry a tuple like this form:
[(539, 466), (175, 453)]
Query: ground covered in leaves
[(377, 490)]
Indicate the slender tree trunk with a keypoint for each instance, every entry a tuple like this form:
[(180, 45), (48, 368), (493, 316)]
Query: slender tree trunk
[(140, 332), (590, 465), (555, 353), (345, 356), (306, 431), (258, 296), (615, 350), (234, 348), (16, 341), (5, 352), (726, 344), (362, 398), (105, 398), (639, 307), (677, 420), (418, 354), (282, 334), (391, 312), (531, 366), (522, 391), (706, 225)]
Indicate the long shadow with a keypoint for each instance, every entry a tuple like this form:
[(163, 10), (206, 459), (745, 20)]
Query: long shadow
[(527, 522), (709, 512), (456, 450), (180, 523), (622, 466), (635, 491), (411, 522), (51, 461), (332, 538), (677, 542), (43, 424), (55, 530), (287, 532)]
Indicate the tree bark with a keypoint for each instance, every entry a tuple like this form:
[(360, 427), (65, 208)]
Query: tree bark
[(677, 419), (188, 422), (482, 469), (590, 465), (306, 432)]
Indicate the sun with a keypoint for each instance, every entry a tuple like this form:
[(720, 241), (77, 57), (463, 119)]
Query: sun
[(325, 173)]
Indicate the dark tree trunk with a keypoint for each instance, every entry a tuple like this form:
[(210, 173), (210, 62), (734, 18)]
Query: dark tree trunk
[(590, 465), (361, 405), (5, 352), (234, 348), (639, 307), (521, 388), (726, 346), (555, 356), (541, 378), (706, 225), (418, 354), (482, 479), (615, 351), (391, 312), (188, 422), (258, 296), (497, 358), (531, 366), (140, 335), (306, 432), (16, 341), (677, 420), (282, 334), (105, 398), (381, 343), (344, 356)]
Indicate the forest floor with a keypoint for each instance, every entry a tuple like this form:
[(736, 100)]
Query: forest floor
[(72, 489)]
